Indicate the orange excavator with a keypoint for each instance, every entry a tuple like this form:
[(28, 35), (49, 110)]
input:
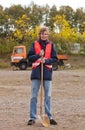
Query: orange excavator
[(19, 58)]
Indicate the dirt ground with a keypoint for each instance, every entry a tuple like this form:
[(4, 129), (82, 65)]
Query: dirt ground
[(68, 100)]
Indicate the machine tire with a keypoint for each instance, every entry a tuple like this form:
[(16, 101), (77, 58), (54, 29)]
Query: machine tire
[(55, 66), (23, 66)]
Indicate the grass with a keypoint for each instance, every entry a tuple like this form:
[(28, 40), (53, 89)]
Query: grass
[(4, 63)]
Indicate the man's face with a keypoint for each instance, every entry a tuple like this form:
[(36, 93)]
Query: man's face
[(44, 35)]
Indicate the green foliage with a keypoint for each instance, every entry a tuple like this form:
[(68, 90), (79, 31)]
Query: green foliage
[(6, 45), (66, 26)]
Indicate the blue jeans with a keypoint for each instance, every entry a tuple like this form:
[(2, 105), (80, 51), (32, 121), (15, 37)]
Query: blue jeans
[(47, 84)]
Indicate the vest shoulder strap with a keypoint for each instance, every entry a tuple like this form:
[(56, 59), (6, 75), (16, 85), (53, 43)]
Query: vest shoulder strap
[(37, 47)]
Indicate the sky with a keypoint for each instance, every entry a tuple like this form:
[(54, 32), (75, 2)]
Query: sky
[(72, 3)]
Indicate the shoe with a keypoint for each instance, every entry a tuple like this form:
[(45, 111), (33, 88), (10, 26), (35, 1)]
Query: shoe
[(31, 122), (53, 122)]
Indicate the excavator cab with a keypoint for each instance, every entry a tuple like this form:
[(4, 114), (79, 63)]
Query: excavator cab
[(18, 57)]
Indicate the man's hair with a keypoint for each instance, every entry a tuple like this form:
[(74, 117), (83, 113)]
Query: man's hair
[(43, 29)]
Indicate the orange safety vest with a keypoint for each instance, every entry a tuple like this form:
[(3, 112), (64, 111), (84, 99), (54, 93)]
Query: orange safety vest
[(37, 49)]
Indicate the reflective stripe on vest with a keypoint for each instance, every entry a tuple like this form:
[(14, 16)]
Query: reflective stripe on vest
[(37, 49)]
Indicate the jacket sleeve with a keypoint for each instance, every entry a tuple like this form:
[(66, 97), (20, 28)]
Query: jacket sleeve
[(31, 56), (53, 56)]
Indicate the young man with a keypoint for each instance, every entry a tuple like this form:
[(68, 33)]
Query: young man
[(41, 48)]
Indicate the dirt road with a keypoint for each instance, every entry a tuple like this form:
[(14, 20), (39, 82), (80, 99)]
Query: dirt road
[(68, 100)]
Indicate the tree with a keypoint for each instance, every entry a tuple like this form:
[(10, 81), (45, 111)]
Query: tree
[(22, 27), (68, 12), (79, 18), (36, 15), (52, 13), (66, 35), (15, 11)]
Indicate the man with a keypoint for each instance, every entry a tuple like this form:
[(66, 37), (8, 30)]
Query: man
[(41, 51)]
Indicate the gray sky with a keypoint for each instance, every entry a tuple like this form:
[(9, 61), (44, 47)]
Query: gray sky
[(72, 3)]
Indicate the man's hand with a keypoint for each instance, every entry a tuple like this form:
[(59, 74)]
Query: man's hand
[(43, 59)]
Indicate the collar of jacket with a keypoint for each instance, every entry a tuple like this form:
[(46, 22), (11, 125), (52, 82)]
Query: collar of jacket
[(43, 41)]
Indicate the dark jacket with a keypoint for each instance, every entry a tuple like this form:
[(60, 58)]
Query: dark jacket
[(32, 57)]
